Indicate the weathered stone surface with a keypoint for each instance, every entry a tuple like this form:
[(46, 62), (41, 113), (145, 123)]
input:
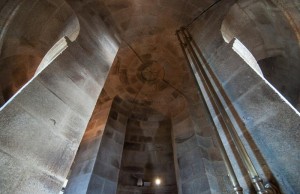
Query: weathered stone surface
[(28, 35), (43, 125), (257, 106), (170, 131)]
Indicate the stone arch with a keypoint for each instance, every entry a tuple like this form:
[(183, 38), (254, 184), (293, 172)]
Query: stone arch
[(246, 55), (265, 31), (55, 50), (23, 48)]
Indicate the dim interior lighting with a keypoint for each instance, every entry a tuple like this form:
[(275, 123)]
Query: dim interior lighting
[(157, 181)]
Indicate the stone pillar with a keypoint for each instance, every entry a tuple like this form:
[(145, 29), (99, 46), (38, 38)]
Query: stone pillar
[(29, 29), (267, 125), (81, 170), (42, 126), (200, 166), (97, 163)]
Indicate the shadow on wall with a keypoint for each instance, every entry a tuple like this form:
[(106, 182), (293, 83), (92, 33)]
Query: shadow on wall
[(249, 142), (267, 65), (30, 39), (267, 32)]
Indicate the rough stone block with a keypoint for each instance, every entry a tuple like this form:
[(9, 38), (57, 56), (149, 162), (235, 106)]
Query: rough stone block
[(85, 167), (110, 187), (213, 184), (205, 142), (88, 149), (119, 138), (37, 182), (83, 78), (10, 166), (106, 171), (111, 146), (116, 125), (96, 185), (28, 139), (92, 64), (241, 83), (196, 186), (78, 184), (185, 146), (64, 88)]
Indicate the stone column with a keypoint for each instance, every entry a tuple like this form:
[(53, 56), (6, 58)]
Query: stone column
[(97, 163), (200, 165), (42, 126), (267, 125)]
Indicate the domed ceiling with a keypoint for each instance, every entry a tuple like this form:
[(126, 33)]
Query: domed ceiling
[(150, 69)]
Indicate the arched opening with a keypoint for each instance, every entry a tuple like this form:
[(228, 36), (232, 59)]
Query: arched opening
[(265, 73), (23, 48), (246, 55), (272, 40), (56, 50), (273, 68)]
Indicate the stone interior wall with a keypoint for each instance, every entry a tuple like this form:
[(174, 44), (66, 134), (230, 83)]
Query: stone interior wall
[(200, 165), (165, 95), (97, 163), (41, 128), (108, 162), (82, 168), (157, 100), (266, 29), (28, 30), (45, 123), (261, 117), (148, 154), (148, 140)]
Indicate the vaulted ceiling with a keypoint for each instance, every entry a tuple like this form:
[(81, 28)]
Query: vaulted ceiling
[(150, 68)]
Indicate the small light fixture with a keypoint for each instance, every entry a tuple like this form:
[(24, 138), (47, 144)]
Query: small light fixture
[(140, 182), (157, 181)]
